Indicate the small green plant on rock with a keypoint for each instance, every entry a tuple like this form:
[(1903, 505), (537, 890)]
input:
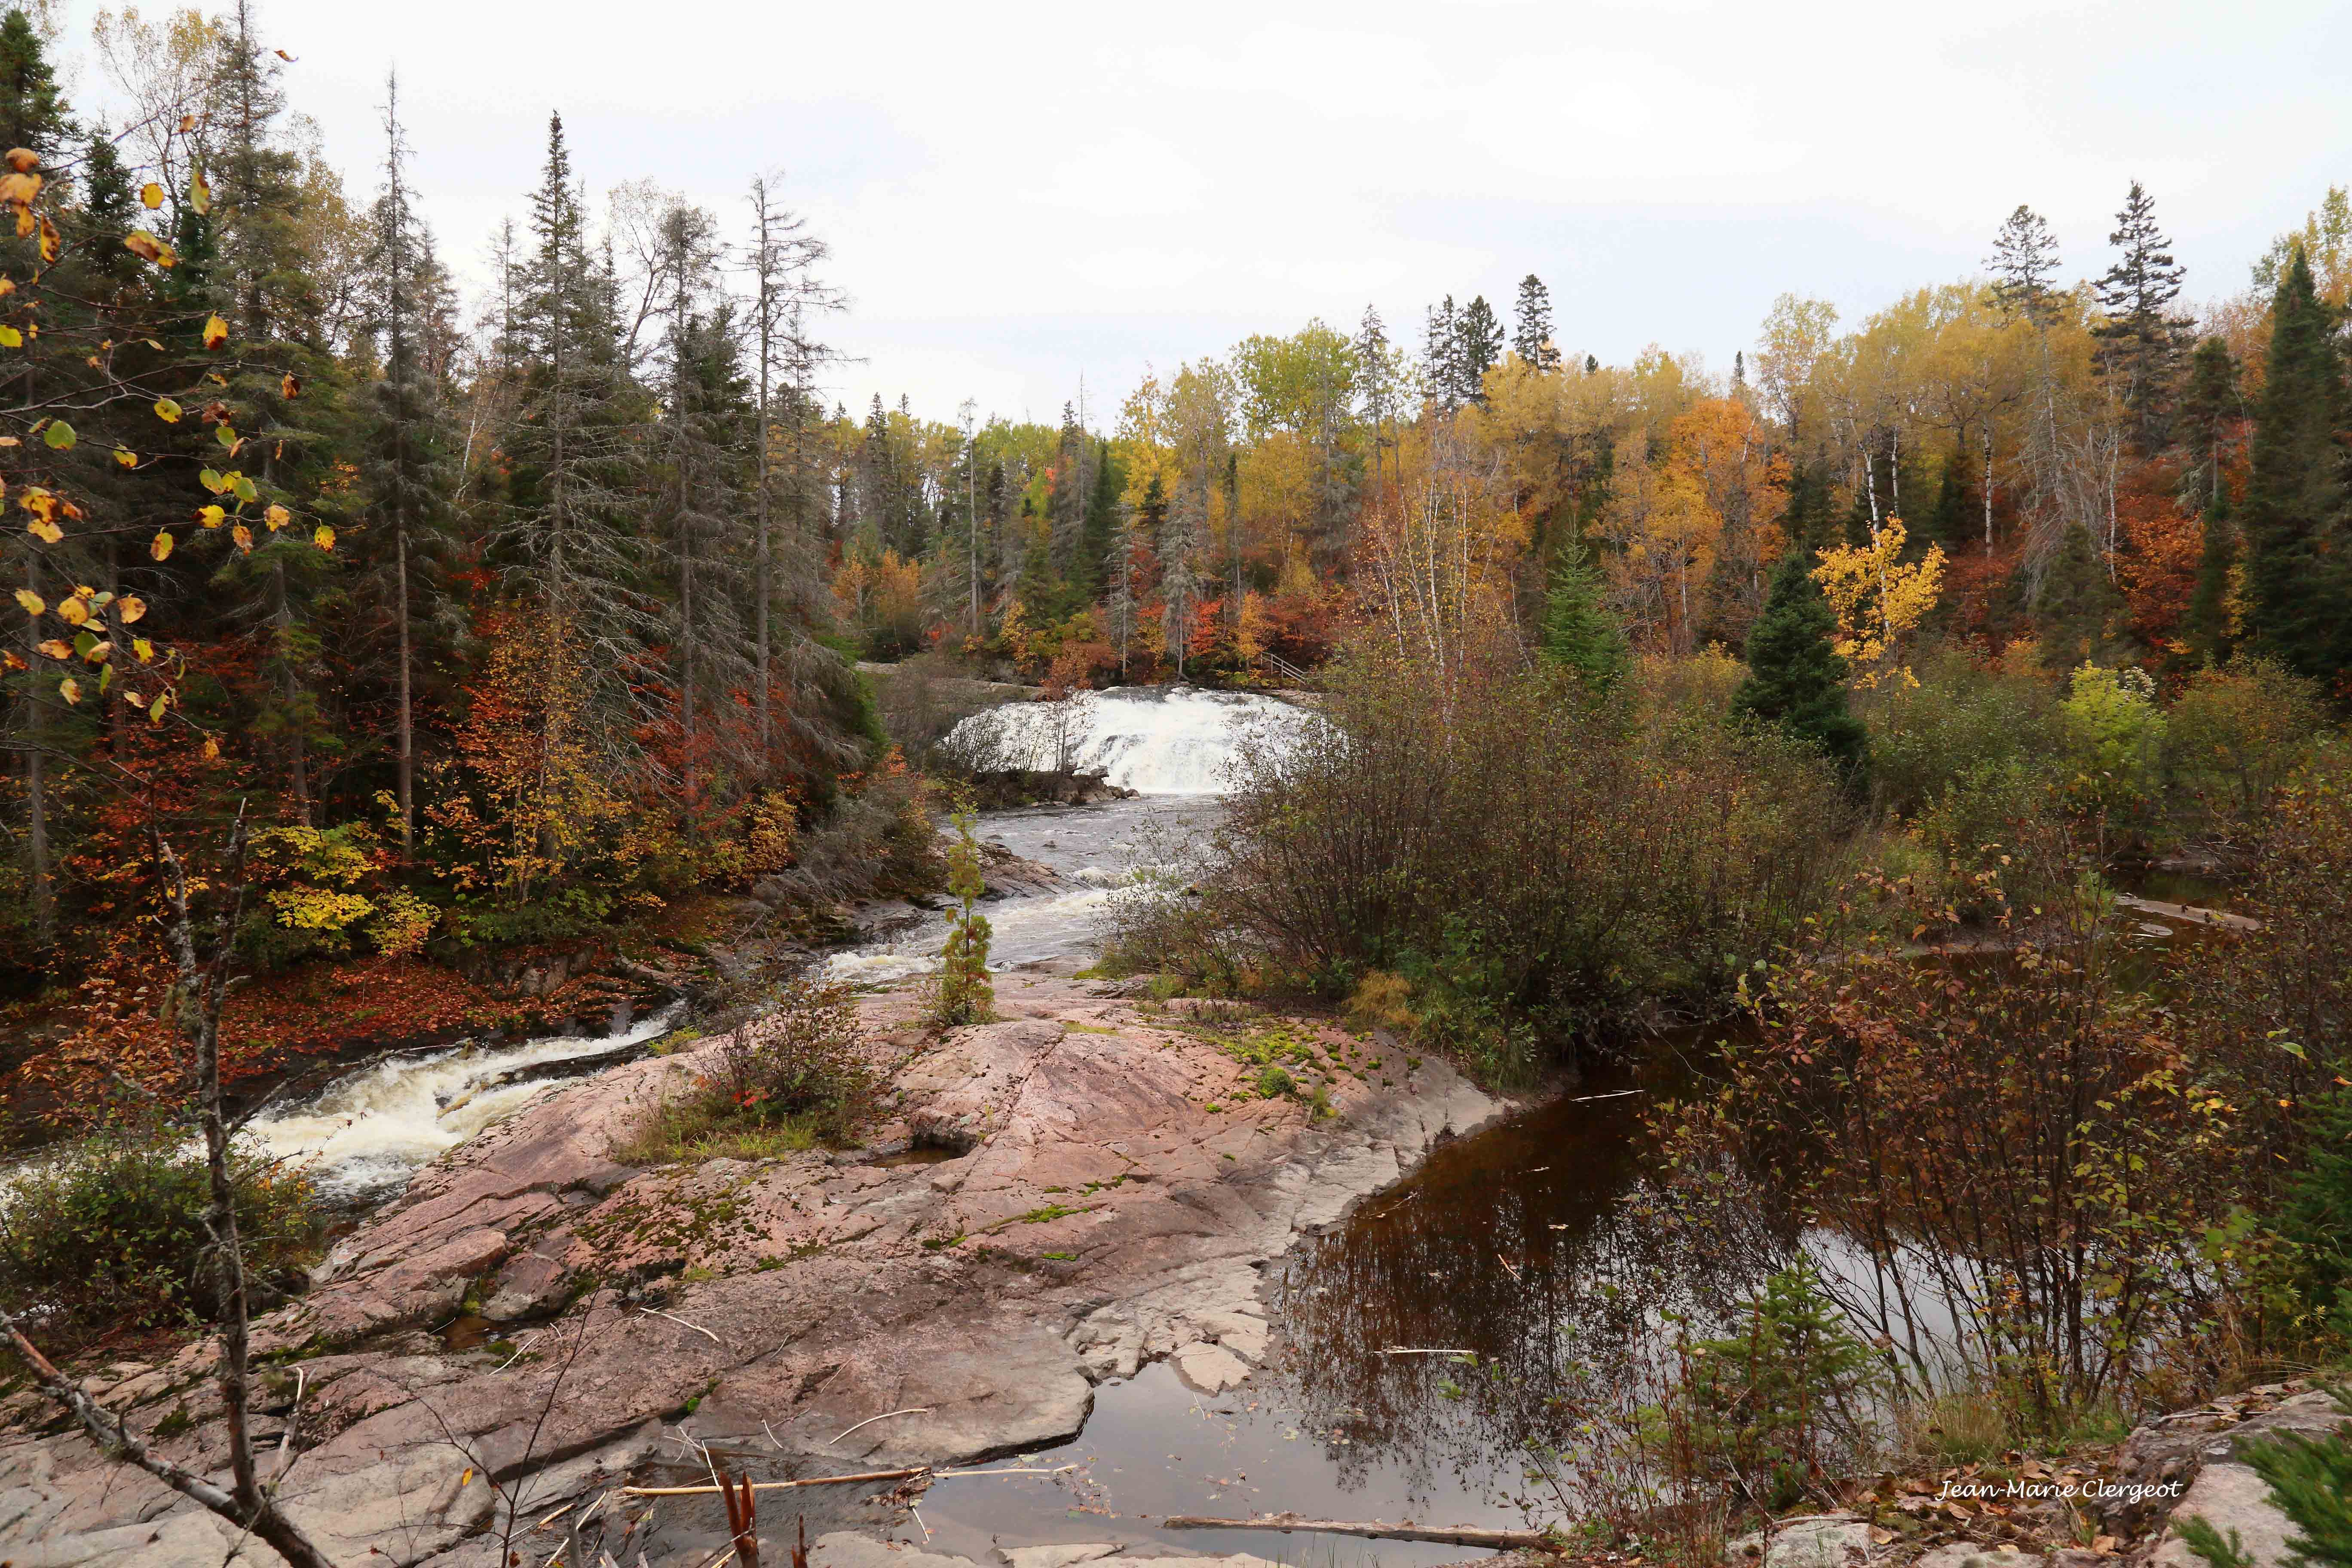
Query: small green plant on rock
[(962, 994), (791, 1080)]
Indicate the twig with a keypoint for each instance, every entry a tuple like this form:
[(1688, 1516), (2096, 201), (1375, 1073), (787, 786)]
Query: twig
[(528, 1341), (911, 1410), (1448, 1535), (1510, 1265), (673, 1317), (778, 1486), (1613, 1094), (1416, 1350)]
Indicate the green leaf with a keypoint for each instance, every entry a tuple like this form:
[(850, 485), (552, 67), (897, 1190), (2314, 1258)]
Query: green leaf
[(225, 435), (243, 487), (59, 435)]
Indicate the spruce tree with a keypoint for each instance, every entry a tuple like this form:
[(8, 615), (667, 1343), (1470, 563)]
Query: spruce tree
[(2210, 414), (2023, 263), (1480, 345), (2293, 523), (1795, 678), (2142, 337), (2077, 601), (1533, 341), (1580, 633), (1441, 351), (32, 111)]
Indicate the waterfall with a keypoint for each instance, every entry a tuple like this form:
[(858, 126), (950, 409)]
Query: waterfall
[(1153, 740)]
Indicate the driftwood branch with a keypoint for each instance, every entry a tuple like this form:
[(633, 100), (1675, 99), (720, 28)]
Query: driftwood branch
[(1444, 1535), (843, 1481)]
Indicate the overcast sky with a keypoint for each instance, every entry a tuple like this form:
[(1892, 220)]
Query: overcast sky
[(1019, 195)]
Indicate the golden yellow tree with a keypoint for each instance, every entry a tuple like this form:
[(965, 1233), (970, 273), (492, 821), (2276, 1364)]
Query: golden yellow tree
[(1879, 599)]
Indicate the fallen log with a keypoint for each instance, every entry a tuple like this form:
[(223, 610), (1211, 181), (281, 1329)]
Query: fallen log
[(1442, 1534)]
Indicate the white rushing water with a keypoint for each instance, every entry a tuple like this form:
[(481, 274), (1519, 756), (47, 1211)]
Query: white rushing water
[(1176, 739), (366, 1133)]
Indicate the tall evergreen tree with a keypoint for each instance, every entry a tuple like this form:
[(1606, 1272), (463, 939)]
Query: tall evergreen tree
[(408, 470), (1580, 634), (1795, 678), (2142, 337), (1533, 339), (2024, 264), (1481, 345), (2077, 602), (2211, 413), (32, 111), (1441, 353), (2294, 526)]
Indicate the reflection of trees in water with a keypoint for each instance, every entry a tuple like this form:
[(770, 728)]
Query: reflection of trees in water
[(1555, 1277)]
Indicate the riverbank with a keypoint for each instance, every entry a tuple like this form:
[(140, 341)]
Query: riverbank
[(1092, 1184)]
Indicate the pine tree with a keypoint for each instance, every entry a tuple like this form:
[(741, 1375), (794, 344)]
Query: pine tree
[(32, 111), (1580, 633), (1480, 345), (409, 471), (1441, 355), (2023, 262), (1533, 341), (1376, 380), (2143, 337), (2210, 414), (2294, 526), (2077, 601), (1795, 679)]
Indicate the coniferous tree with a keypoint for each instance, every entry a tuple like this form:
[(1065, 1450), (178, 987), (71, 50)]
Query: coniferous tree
[(2210, 412), (2143, 337), (2023, 263), (2294, 526), (1441, 355), (408, 468), (1579, 632), (1795, 678), (1481, 345), (2077, 602), (32, 111), (1533, 339)]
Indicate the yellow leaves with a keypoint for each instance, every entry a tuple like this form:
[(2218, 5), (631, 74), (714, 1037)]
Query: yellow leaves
[(126, 456), (31, 601), (155, 716), (57, 648), (74, 612), (18, 187), (1879, 599), (276, 517), (151, 196), (291, 386), (22, 160), (50, 243), (242, 535), (162, 549), (143, 649), (463, 1479), (42, 529), (131, 609), (323, 537), (212, 516), (216, 332), (200, 195), (58, 436), (99, 652), (167, 411), (39, 501), (10, 338), (145, 246), (69, 688), (212, 746)]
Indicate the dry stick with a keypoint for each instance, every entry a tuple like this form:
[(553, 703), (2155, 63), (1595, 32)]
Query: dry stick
[(673, 1317), (911, 1410), (1414, 1350), (1615, 1094), (1447, 1535), (843, 1481)]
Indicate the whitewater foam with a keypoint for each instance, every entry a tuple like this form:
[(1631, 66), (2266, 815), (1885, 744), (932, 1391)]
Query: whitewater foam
[(1153, 740)]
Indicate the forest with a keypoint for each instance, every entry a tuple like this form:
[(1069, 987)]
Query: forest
[(533, 617)]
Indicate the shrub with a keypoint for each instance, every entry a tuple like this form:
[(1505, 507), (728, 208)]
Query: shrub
[(962, 993), (1489, 834), (111, 1234), (2115, 736), (792, 1079), (1962, 724), (2232, 739)]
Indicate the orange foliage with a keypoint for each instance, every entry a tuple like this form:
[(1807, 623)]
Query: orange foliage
[(2157, 568)]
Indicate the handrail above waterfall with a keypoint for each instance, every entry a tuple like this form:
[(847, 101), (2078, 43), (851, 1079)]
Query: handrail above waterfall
[(1284, 671)]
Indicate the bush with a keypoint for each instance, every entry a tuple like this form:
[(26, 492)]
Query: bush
[(792, 1079), (1962, 724), (111, 1235), (2115, 736), (1495, 837), (2233, 738)]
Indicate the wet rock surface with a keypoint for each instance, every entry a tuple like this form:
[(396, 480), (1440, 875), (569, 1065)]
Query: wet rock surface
[(1112, 1188)]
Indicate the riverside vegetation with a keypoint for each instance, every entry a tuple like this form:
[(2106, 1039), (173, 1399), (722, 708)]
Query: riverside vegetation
[(1642, 707)]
